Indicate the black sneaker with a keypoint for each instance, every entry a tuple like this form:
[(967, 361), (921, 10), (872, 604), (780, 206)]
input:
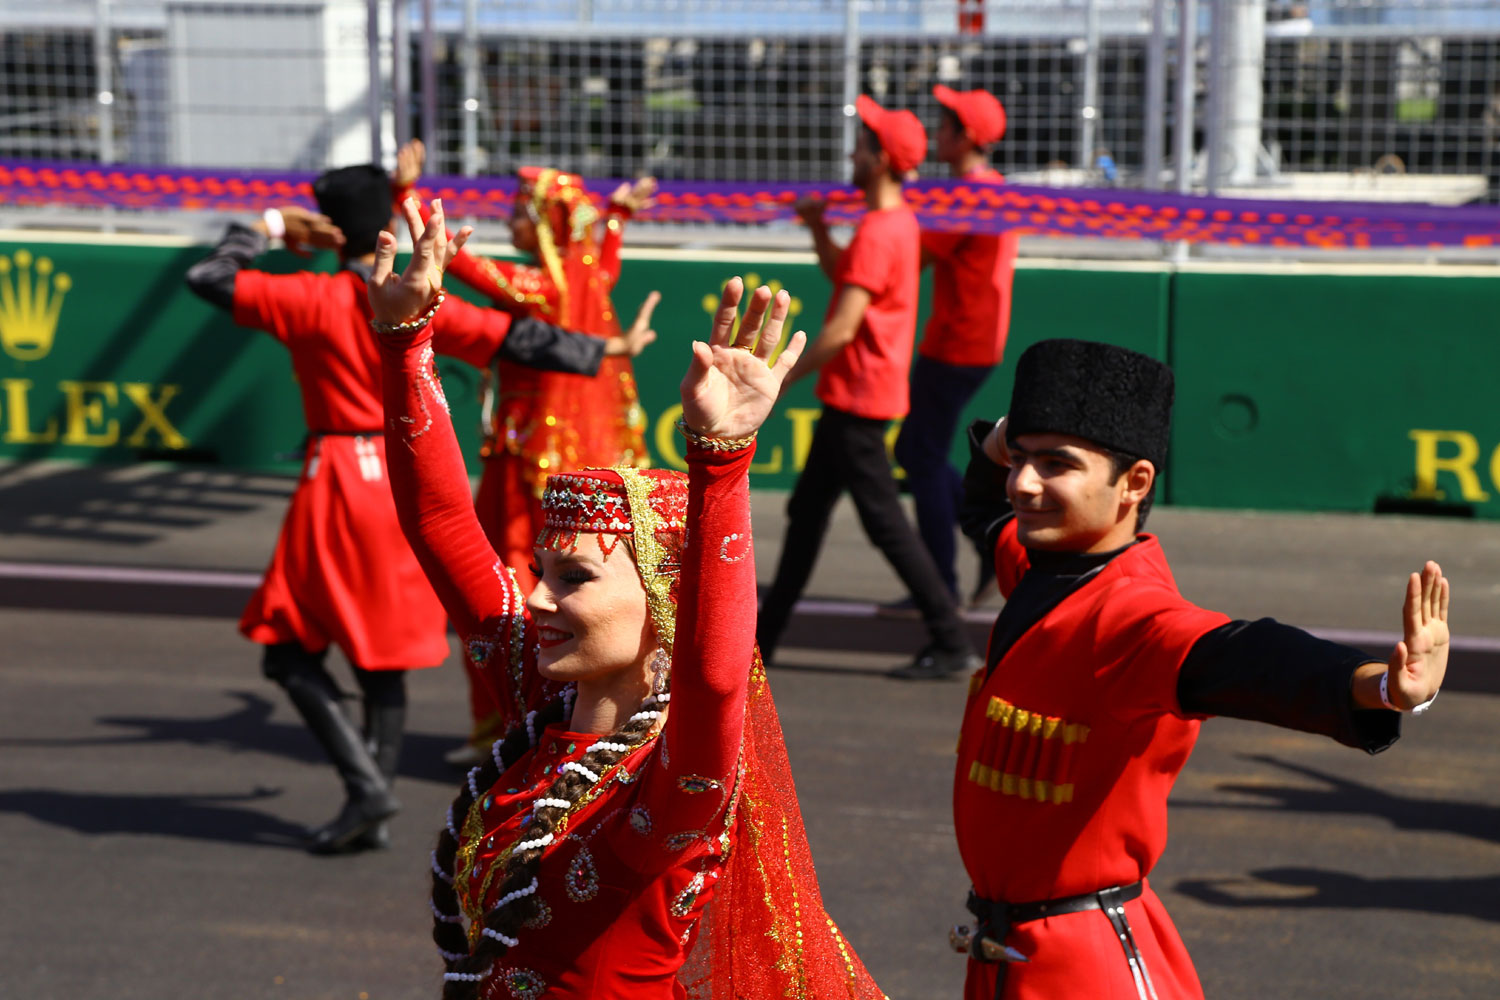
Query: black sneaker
[(936, 664)]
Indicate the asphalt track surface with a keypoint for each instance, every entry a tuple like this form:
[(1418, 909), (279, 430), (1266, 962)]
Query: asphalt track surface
[(153, 787)]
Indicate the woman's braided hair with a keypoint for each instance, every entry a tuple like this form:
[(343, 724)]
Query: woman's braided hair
[(517, 891)]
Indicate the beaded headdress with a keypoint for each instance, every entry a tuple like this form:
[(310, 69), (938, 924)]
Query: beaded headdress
[(649, 505), (564, 215)]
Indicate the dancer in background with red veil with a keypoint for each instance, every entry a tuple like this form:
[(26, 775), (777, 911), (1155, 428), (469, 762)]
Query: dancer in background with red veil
[(537, 423), (636, 832)]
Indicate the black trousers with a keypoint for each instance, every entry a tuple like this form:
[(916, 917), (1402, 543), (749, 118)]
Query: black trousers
[(939, 393), (848, 453)]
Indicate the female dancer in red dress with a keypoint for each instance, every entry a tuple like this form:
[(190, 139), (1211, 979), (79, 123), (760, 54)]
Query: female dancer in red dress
[(612, 846), (538, 423)]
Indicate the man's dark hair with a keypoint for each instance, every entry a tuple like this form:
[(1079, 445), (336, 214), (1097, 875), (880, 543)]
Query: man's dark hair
[(1119, 464), (358, 201)]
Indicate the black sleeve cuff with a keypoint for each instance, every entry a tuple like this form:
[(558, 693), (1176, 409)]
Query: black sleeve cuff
[(1265, 671), (537, 344), (212, 278)]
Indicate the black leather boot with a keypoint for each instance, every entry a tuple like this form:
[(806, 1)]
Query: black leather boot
[(384, 727), (317, 698)]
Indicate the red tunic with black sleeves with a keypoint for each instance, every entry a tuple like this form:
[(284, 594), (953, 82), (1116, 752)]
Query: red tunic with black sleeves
[(342, 573), (623, 885), (1067, 753)]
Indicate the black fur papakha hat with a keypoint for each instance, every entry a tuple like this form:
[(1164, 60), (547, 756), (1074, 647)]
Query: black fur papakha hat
[(358, 201), (1109, 395)]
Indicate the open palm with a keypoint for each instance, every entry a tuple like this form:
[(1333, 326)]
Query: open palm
[(731, 385), (1420, 660), (395, 298)]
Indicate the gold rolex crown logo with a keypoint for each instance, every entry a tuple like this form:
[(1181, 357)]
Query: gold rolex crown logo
[(30, 300)]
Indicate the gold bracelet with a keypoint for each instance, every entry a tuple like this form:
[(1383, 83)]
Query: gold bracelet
[(411, 325), (714, 443)]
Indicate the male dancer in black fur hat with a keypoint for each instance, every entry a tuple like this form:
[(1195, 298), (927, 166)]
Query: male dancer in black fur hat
[(1098, 675), (342, 573)]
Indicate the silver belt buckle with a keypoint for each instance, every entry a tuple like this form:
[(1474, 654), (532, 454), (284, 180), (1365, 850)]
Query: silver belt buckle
[(967, 942)]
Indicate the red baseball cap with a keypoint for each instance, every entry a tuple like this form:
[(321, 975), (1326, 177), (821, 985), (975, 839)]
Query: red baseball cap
[(980, 112), (900, 133)]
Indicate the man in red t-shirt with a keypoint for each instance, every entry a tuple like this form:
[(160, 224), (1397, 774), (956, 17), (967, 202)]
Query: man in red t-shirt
[(862, 357), (965, 335), (342, 573)]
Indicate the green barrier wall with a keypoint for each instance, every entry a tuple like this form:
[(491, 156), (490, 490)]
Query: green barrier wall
[(1295, 390), (109, 358), (1336, 392)]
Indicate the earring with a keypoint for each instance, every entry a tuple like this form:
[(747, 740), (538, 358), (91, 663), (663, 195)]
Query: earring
[(661, 671)]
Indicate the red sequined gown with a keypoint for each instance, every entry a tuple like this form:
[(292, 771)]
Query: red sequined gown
[(705, 812)]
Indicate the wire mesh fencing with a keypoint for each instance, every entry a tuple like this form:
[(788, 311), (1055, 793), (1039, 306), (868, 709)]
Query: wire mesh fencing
[(1394, 98)]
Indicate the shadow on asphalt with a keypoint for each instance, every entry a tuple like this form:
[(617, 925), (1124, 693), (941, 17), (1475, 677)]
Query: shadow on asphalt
[(1306, 888), (1471, 819), (250, 728), (81, 504), (1314, 888), (193, 817)]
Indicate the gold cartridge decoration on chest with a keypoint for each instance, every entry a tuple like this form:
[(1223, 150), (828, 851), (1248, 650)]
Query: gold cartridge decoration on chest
[(1027, 754)]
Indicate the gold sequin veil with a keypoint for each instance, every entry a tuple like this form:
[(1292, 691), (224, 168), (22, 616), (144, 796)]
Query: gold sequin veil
[(765, 933)]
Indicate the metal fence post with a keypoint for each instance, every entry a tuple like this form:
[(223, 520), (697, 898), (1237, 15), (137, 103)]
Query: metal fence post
[(1089, 111), (372, 40), (1240, 106), (429, 79), (1187, 58), (104, 95), (851, 79), (470, 60), (1156, 96), (401, 68), (1214, 105)]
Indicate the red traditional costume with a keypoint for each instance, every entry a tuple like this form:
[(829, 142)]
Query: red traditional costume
[(342, 573), (541, 422), (1066, 756), (683, 869), (1097, 677)]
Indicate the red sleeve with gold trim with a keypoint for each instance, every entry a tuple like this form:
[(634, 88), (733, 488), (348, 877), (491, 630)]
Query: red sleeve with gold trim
[(688, 782), (431, 490)]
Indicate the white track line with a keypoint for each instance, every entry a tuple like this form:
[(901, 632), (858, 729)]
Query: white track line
[(812, 608), (127, 574)]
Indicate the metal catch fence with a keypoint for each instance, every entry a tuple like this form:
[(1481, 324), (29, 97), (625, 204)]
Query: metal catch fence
[(1401, 97)]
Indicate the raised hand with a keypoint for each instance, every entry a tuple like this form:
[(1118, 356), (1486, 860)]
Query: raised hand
[(634, 197), (1416, 667), (410, 159), (397, 298), (731, 386), (810, 209), (307, 231), (634, 340)]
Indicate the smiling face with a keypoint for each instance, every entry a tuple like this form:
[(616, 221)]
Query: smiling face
[(590, 613), (1068, 496)]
